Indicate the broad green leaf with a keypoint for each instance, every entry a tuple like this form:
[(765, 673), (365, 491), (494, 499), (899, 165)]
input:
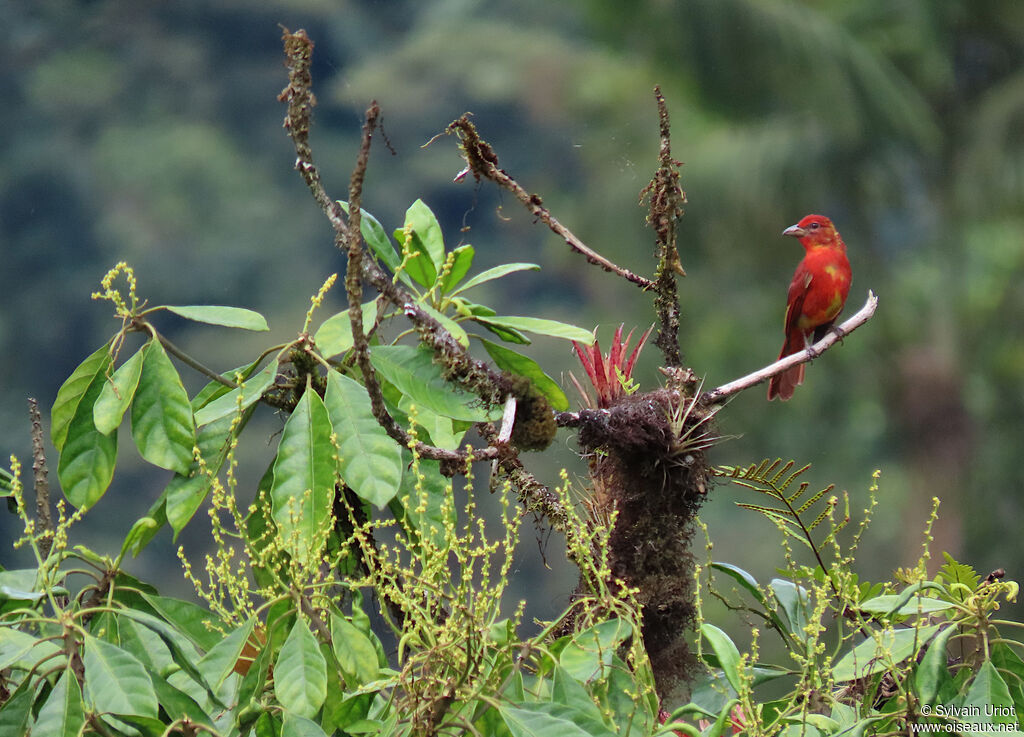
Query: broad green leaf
[(178, 704), (904, 606), (16, 710), (795, 602), (547, 719), (588, 653), (517, 363), (334, 336), (22, 649), (300, 674), (219, 661), (177, 646), (216, 389), (726, 652), (448, 324), (441, 429), (375, 237), (418, 265), (496, 273), (229, 403), (162, 423), (229, 317), (989, 698), (141, 533), (370, 461), (87, 456), (304, 475), (117, 394), (72, 391), (462, 260), (115, 681), (749, 583), (414, 373), (933, 672), (426, 233), (355, 653), (1011, 666), (296, 726), (425, 514), (62, 715), (187, 618), (19, 585), (540, 326), (568, 692), (878, 654), (185, 493)]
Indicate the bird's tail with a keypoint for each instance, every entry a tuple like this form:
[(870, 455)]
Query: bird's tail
[(782, 385)]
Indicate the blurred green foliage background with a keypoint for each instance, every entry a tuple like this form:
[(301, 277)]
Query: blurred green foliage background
[(150, 132)]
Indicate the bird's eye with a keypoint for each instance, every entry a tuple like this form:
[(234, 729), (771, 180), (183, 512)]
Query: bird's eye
[(815, 226)]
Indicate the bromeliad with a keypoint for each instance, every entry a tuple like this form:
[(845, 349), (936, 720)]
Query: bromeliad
[(611, 374)]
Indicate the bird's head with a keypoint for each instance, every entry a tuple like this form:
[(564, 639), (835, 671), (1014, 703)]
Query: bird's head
[(814, 230)]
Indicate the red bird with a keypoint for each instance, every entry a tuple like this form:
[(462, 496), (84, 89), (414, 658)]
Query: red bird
[(816, 295)]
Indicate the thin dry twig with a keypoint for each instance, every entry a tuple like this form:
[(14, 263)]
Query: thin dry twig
[(753, 379), (483, 163)]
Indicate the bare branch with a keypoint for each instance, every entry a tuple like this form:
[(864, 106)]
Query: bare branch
[(483, 163), (745, 382), (39, 472)]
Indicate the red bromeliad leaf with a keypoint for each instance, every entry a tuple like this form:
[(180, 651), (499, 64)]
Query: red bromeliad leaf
[(608, 373)]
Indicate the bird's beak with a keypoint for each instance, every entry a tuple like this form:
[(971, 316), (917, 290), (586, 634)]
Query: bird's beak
[(795, 230)]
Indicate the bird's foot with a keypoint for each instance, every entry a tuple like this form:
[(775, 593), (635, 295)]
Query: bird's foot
[(840, 333)]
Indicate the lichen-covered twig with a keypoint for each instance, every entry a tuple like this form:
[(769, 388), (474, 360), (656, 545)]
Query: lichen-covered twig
[(666, 206), (745, 382), (483, 163), (39, 473), (459, 366)]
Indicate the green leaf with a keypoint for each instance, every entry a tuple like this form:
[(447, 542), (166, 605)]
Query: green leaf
[(588, 653), (550, 720), (178, 704), (162, 423), (516, 363), (427, 514), (15, 712), (228, 317), (87, 456), (540, 326), (115, 681), (891, 647), (355, 653), (304, 475), (296, 726), (726, 652), (568, 691), (216, 389), (229, 403), (989, 698), (461, 262), (795, 602), (185, 493), (496, 273), (370, 461), (903, 605), (62, 715), (19, 585), (72, 391), (117, 394), (219, 661), (448, 324), (187, 618), (334, 335), (426, 233), (21, 649), (1008, 663), (932, 675), (442, 430), (414, 373), (375, 237), (300, 674)]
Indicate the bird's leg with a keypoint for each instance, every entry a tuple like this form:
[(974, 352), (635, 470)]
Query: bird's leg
[(809, 347), (840, 333)]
